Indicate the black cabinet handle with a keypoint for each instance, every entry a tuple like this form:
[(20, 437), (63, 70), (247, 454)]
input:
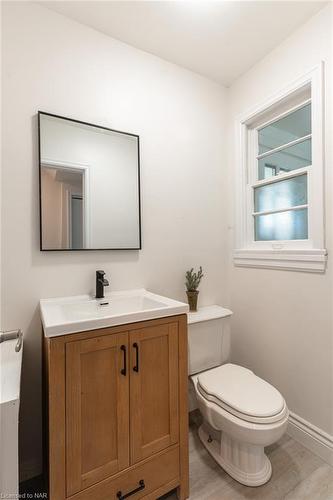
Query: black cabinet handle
[(136, 367), (123, 370), (141, 486)]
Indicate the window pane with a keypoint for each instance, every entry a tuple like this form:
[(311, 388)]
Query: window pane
[(281, 194), (289, 225), (288, 159), (291, 127)]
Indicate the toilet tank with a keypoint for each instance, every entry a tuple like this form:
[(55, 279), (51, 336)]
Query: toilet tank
[(208, 338)]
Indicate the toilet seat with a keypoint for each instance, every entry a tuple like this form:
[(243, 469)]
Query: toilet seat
[(242, 393)]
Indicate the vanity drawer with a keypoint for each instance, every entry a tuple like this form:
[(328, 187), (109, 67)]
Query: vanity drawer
[(150, 477)]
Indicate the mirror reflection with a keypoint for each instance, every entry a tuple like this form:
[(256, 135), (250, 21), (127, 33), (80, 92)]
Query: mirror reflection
[(89, 186)]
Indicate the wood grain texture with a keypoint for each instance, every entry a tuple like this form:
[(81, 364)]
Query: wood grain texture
[(157, 472), (83, 390), (154, 390), (183, 489), (97, 411), (56, 413)]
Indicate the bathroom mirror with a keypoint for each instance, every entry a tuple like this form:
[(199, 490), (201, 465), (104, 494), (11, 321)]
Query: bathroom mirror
[(89, 186)]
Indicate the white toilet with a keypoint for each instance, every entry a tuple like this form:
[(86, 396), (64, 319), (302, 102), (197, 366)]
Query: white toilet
[(241, 412)]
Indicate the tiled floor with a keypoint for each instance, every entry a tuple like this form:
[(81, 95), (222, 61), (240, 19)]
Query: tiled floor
[(298, 474)]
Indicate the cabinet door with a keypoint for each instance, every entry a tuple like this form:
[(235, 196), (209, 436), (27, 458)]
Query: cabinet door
[(153, 389), (97, 410)]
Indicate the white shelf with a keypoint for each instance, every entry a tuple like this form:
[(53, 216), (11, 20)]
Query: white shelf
[(207, 313)]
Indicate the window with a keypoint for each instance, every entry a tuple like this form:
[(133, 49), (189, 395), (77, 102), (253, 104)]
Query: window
[(280, 181), (280, 191)]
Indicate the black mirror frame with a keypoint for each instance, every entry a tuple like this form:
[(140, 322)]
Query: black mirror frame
[(40, 188)]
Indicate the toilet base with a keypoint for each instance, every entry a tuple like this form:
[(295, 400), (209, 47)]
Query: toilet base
[(246, 463)]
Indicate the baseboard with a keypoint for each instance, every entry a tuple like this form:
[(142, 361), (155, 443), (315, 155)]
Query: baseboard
[(310, 436), (30, 469)]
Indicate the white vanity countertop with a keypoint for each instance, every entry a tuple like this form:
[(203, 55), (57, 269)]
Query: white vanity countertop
[(207, 313), (61, 316)]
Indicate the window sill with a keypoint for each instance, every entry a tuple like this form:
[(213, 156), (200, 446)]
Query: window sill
[(313, 261)]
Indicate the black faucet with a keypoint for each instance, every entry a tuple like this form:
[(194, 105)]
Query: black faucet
[(101, 282)]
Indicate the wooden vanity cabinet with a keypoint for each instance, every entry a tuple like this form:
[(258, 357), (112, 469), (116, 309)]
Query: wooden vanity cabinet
[(117, 411), (97, 410)]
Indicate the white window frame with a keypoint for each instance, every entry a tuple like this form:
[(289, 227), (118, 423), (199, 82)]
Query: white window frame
[(303, 255)]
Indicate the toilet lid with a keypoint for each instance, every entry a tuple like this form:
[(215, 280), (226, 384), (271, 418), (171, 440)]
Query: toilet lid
[(241, 392)]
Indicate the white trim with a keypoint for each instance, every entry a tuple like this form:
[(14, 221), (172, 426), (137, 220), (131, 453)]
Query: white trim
[(276, 118), (86, 190), (279, 210), (284, 146), (63, 163), (295, 260), (307, 255), (297, 86), (311, 437), (281, 177)]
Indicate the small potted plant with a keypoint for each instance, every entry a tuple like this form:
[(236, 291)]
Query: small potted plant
[(192, 282)]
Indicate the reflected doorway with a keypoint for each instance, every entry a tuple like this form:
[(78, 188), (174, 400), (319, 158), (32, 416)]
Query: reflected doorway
[(64, 207), (76, 221)]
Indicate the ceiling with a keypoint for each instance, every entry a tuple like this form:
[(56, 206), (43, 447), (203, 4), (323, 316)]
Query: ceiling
[(218, 39)]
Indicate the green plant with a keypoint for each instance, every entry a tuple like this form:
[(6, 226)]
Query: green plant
[(193, 279)]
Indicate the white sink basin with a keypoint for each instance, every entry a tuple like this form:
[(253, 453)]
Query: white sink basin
[(77, 314)]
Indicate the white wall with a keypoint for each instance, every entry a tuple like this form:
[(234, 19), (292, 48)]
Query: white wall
[(282, 326), (56, 65)]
